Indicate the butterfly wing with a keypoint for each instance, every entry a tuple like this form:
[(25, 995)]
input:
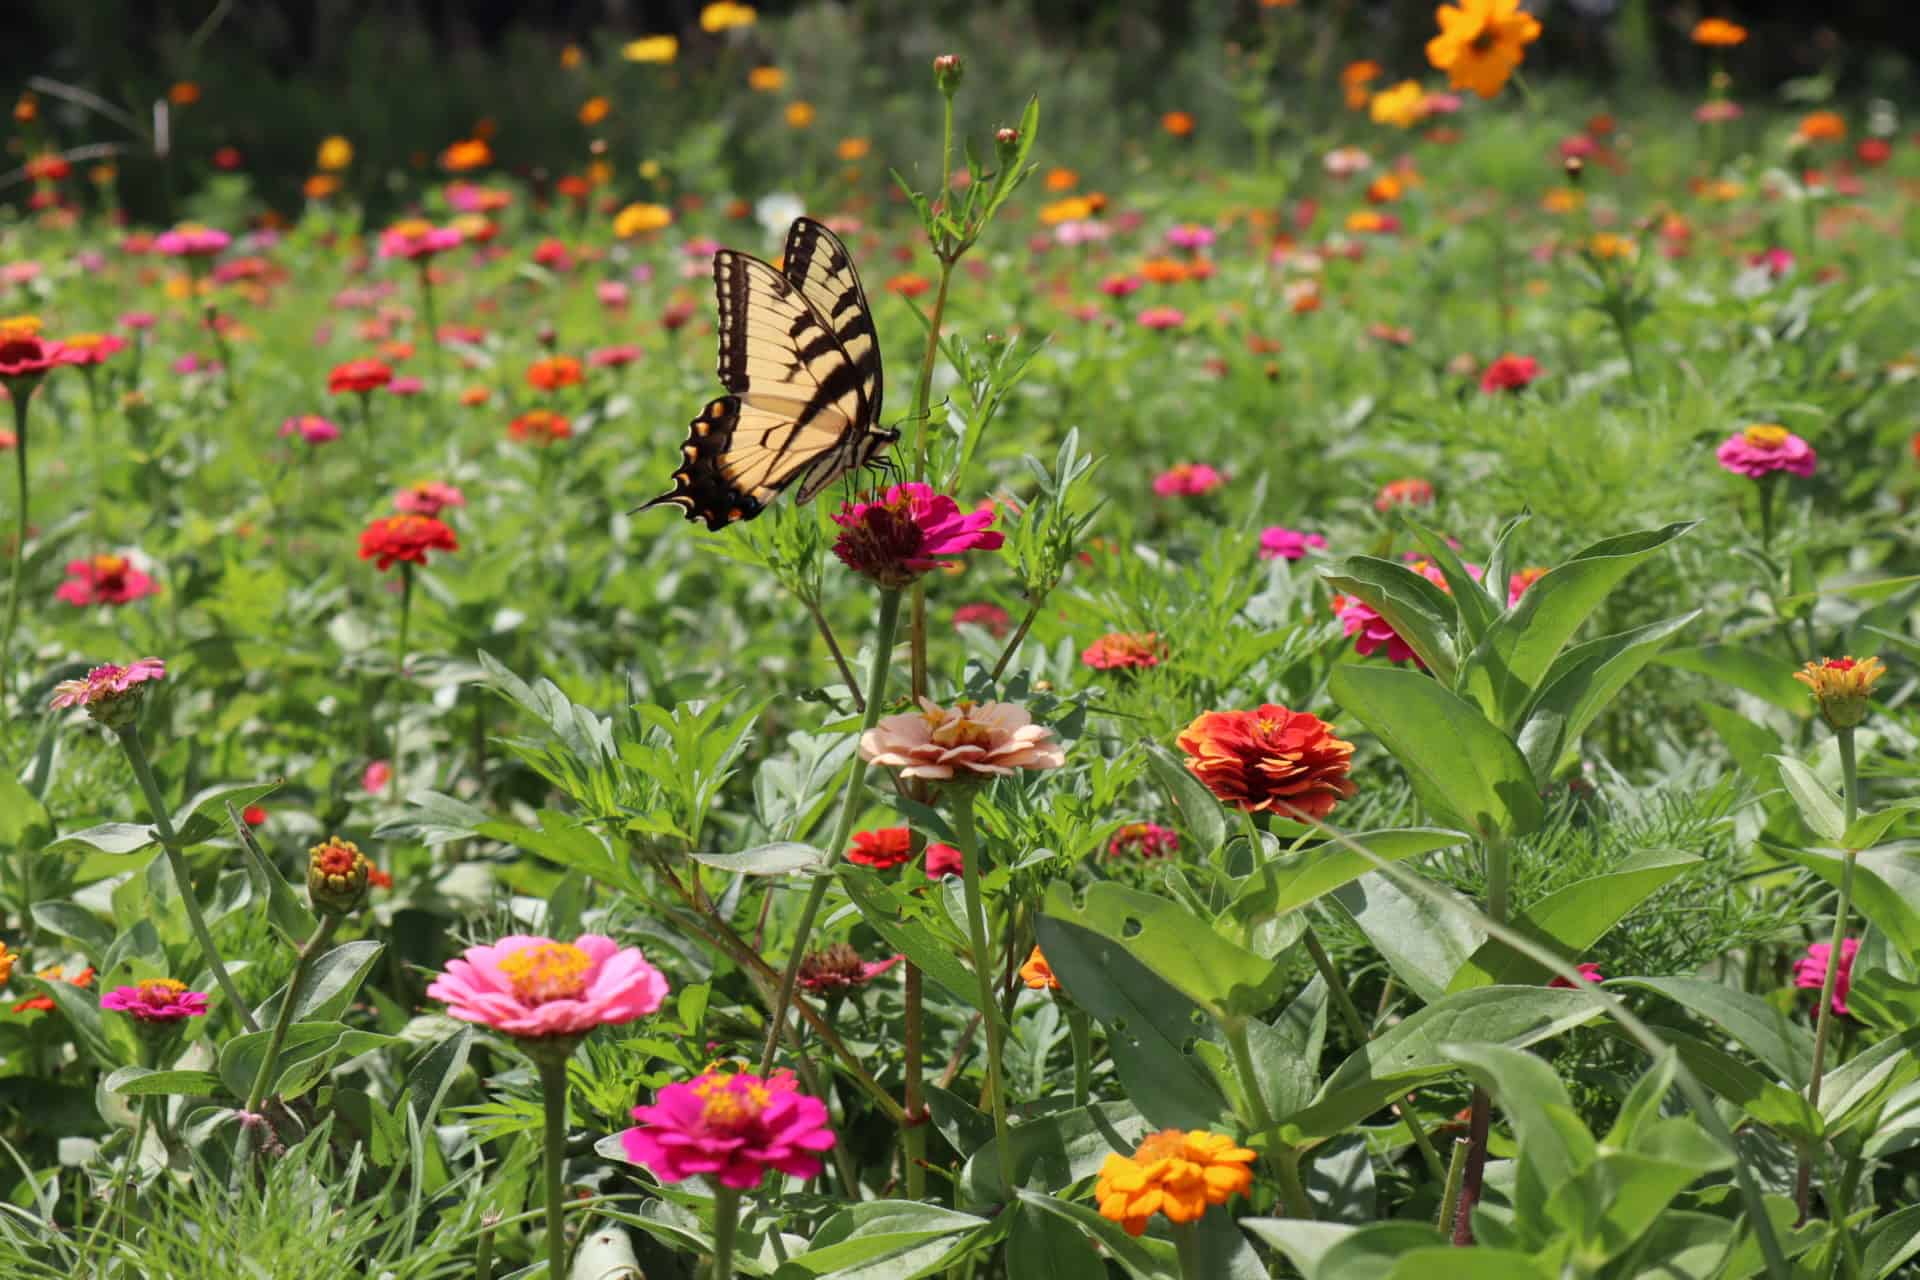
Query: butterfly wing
[(817, 262)]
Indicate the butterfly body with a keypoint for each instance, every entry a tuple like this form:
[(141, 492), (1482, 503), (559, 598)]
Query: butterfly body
[(800, 361)]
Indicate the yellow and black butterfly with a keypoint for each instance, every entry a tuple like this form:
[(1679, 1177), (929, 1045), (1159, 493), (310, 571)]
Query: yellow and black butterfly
[(801, 361)]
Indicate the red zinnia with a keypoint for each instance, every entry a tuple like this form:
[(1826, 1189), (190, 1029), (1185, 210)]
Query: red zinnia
[(25, 356), (105, 579), (359, 375), (1269, 760), (1121, 649), (883, 849), (406, 538), (553, 373), (540, 426), (1510, 373)]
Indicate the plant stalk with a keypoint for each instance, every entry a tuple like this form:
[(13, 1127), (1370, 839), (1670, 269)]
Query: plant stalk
[(963, 830), (1823, 1026), (726, 1222), (303, 963), (21, 393), (553, 1093)]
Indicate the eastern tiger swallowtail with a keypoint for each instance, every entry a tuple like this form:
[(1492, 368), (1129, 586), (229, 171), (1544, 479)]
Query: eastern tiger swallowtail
[(801, 361)]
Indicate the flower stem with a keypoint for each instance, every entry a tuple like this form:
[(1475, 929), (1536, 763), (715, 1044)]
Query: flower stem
[(963, 831), (1499, 869), (406, 617), (1450, 1187), (553, 1093), (1767, 485), (182, 878), (1293, 1192), (1080, 1031), (923, 389), (726, 1219), (1186, 1244), (913, 1127), (1823, 1026), (21, 394), (884, 629), (303, 963)]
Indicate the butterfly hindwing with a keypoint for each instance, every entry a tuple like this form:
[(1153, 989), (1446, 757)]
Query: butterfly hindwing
[(738, 458)]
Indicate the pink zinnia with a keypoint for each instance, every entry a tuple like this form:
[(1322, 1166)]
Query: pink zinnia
[(1121, 286), (1589, 974), (1510, 373), (1811, 972), (1278, 543), (106, 683), (1189, 236), (190, 241), (407, 385), (944, 860), (1718, 111), (996, 620), (534, 987), (90, 348), (613, 357), (416, 238), (1765, 448), (138, 320), (907, 531), (312, 428), (1145, 840), (374, 778), (1777, 261), (1520, 580), (731, 1128), (108, 579), (1370, 630), (1187, 480), (156, 1000), (1163, 317), (428, 498), (613, 294)]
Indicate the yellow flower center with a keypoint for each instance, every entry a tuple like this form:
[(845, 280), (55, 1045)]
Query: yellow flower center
[(547, 971), (411, 228), (19, 327), (84, 341), (109, 566), (1765, 435), (160, 987), (725, 1107)]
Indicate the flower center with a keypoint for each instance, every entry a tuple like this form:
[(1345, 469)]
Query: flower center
[(412, 228), (959, 733), (1484, 40), (547, 971), (159, 990), (1840, 664), (109, 566), (726, 1105), (12, 327), (1765, 435), (85, 341)]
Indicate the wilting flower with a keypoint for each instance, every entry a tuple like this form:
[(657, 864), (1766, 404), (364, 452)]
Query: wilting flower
[(1481, 43), (156, 1001), (1509, 373), (190, 240), (882, 849), (968, 739), (416, 238), (1120, 650), (553, 373), (362, 376), (1718, 33), (1174, 1172), (1038, 974), (1411, 492), (310, 427), (1589, 974), (730, 1127), (1187, 480), (1811, 972), (907, 531), (111, 694), (1144, 839), (428, 498), (337, 876), (1270, 759), (839, 969), (1842, 688), (535, 987), (1765, 448), (406, 538), (1278, 543), (105, 579)]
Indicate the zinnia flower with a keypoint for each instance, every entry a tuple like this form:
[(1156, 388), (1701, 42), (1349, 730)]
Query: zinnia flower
[(840, 969), (1842, 687), (732, 1128), (1481, 43), (1277, 543), (1718, 33), (1187, 480), (1765, 448), (1811, 971), (358, 375), (90, 349), (1359, 619), (1145, 840), (1038, 974), (416, 238), (1509, 373), (1269, 760), (884, 849), (533, 987), (7, 960), (310, 427), (637, 219), (1822, 126), (1776, 261), (58, 973), (998, 621), (1589, 974), (1403, 106), (161, 1001), (944, 860), (1520, 580), (25, 357), (337, 876), (1175, 1173), (613, 357), (1162, 318), (428, 498), (107, 579), (907, 531), (111, 694), (190, 240), (553, 373), (651, 49), (1412, 492), (540, 426), (1120, 650), (406, 538), (967, 739)]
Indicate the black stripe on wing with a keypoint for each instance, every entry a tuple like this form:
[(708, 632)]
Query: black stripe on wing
[(701, 488), (818, 263)]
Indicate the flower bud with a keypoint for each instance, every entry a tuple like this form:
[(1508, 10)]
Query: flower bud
[(337, 876), (1842, 688), (947, 72), (1006, 142)]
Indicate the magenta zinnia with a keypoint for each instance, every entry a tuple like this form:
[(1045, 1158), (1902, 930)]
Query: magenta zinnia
[(907, 531), (156, 1000), (1765, 448), (731, 1127), (535, 987)]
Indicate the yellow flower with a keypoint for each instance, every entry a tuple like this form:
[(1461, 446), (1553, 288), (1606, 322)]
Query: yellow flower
[(1072, 209), (1608, 245), (1481, 43), (1718, 33), (1175, 1173), (651, 49), (1842, 687), (650, 170), (853, 148), (336, 153), (1563, 200), (19, 327), (594, 110), (572, 56), (723, 16), (766, 79), (638, 218), (1402, 106), (800, 114), (6, 962)]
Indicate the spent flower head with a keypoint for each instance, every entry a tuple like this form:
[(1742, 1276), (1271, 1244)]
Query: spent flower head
[(1842, 688), (110, 693)]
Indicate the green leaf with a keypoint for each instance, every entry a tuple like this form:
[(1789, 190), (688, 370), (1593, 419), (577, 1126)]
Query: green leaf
[(118, 838), (1728, 1077), (1572, 919), (1748, 743), (1818, 807), (1580, 684), (1475, 608), (81, 1009), (1891, 1242), (1869, 828), (1767, 1032), (1142, 1257), (330, 985), (1467, 1264), (1855, 1089), (1305, 1243), (1464, 770), (908, 937), (877, 1229), (1196, 805), (1424, 941), (1886, 887), (71, 920), (1422, 613), (135, 1082), (1292, 881), (285, 910), (1054, 1151), (1554, 1145), (1881, 1000), (1045, 1244), (1749, 670), (781, 858), (1505, 669), (240, 1057), (24, 823), (434, 1072), (203, 817)]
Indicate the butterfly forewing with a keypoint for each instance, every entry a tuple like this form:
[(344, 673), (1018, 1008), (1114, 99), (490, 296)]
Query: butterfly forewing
[(817, 262)]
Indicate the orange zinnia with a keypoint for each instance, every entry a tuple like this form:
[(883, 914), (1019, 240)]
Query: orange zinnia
[(1718, 33), (1270, 760), (1038, 974), (1173, 1172), (1481, 43), (1164, 270), (1177, 123), (1354, 79), (553, 373), (1823, 126), (466, 155)]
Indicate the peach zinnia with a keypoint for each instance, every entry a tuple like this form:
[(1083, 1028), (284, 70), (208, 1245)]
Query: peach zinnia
[(1269, 760), (968, 739), (1120, 649)]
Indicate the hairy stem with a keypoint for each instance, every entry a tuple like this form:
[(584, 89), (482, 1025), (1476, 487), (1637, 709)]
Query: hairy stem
[(303, 963)]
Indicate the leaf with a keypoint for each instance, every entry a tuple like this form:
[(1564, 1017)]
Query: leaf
[(908, 937), (1818, 808), (1290, 882), (1767, 1032), (240, 1057), (1554, 1145), (434, 1072), (1730, 1078), (876, 1229), (1579, 685), (24, 823), (71, 920), (1508, 665), (118, 838), (1424, 942), (1045, 1244), (1464, 770), (1142, 1257), (1467, 1264), (1473, 606), (330, 984), (1422, 613), (1196, 805), (1891, 1242), (1054, 1151), (137, 1082), (781, 858), (1749, 670), (1886, 888), (285, 911), (81, 1009), (203, 817)]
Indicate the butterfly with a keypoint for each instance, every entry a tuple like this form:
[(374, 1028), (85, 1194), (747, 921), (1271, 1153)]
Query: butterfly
[(801, 363)]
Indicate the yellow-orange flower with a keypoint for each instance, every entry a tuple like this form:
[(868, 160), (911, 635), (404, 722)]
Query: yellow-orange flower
[(651, 49), (1608, 245), (466, 155), (1823, 126), (1177, 123), (853, 148), (26, 108), (1562, 200), (184, 94), (1174, 1172), (636, 219), (1718, 33), (572, 56), (1036, 973), (320, 186), (1842, 687), (1386, 188), (1062, 179), (1072, 209), (335, 154), (800, 114), (1481, 43), (1354, 79), (594, 110), (766, 79), (1402, 106), (8, 957), (1165, 270), (723, 16)]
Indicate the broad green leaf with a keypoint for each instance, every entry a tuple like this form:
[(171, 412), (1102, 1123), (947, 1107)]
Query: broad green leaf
[(330, 985), (1304, 1243), (782, 858), (135, 1082), (1292, 881), (1611, 1204), (24, 823), (1870, 828), (1046, 1244), (1580, 684), (1886, 887), (1473, 605), (1467, 1264), (1766, 1032), (1749, 670), (911, 938), (71, 920), (1195, 804), (1728, 1077), (1856, 1088), (1881, 1000), (1554, 1145), (1422, 613), (1505, 669), (1464, 770), (118, 838), (81, 1008), (434, 1072), (1371, 1251), (1142, 1257), (1891, 1242), (240, 1057), (1054, 1151), (1572, 919), (1750, 744), (203, 817), (1424, 941), (1818, 807), (876, 1229)]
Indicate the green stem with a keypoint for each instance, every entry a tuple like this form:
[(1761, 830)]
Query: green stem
[(1767, 484), (182, 878), (1080, 1031), (1293, 1192), (309, 952), (1823, 1026), (368, 460), (1499, 870), (884, 630), (1186, 1244), (726, 1221), (963, 831), (1450, 1187), (913, 1126), (553, 1093), (1284, 1159), (923, 389), (94, 428), (22, 392), (406, 617)]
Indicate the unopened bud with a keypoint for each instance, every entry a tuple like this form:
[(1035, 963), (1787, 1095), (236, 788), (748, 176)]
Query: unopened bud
[(1007, 142), (337, 876), (947, 72), (1574, 166)]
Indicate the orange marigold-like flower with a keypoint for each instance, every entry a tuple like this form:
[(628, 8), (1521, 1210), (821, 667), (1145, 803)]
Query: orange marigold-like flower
[(466, 155), (1038, 974), (1718, 33), (1269, 760), (594, 110), (1842, 687), (1481, 43), (540, 426), (766, 79), (1165, 270), (553, 373), (1177, 123), (1823, 126), (406, 538), (1121, 649), (1175, 1172), (636, 219)]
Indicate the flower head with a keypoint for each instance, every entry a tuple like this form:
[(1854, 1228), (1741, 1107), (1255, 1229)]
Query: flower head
[(998, 621), (190, 240), (882, 849), (968, 739), (1278, 543), (658, 49), (553, 373), (1175, 1173), (1481, 43), (1403, 106), (428, 498), (1811, 972), (533, 987), (1520, 580), (1765, 448), (637, 219), (1589, 974), (90, 349), (730, 1127), (1718, 33), (337, 875), (907, 531), (335, 154), (106, 579), (1120, 650), (1162, 318), (1411, 492), (839, 968), (406, 538), (358, 375), (1269, 760), (25, 357), (54, 973), (944, 860), (416, 239), (724, 16), (156, 1000), (1822, 126), (111, 694), (1038, 974), (1144, 840), (1842, 687), (1187, 480), (1509, 373), (312, 428), (1359, 619), (541, 426)]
